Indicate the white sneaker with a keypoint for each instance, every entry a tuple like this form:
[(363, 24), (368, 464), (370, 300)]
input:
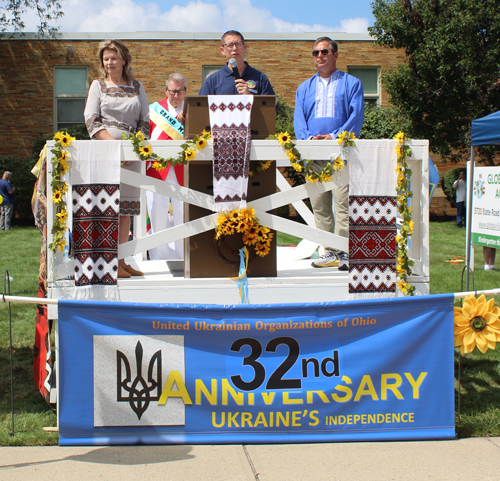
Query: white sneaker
[(328, 259), (489, 267), (343, 261)]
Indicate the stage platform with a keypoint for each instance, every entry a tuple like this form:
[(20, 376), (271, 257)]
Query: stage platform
[(163, 282), (296, 280)]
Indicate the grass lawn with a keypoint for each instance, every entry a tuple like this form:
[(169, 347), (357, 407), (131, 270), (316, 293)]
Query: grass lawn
[(19, 254)]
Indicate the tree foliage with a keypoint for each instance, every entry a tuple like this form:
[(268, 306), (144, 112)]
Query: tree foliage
[(452, 72), (383, 122), (12, 13)]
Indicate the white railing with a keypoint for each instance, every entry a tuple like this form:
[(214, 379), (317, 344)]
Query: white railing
[(261, 150)]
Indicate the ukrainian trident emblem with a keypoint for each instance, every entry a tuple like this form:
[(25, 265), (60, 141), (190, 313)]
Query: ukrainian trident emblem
[(139, 392)]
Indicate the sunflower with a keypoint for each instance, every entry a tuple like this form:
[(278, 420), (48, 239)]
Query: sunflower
[(477, 324), (58, 135), (61, 244), (400, 137), (248, 213), (291, 156), (297, 167), (311, 178), (145, 151), (222, 218), (62, 216), (241, 227), (342, 137), (57, 197), (66, 139), (157, 166), (206, 134), (325, 177), (265, 165), (189, 154), (201, 143), (283, 138), (262, 249), (64, 156), (63, 187), (338, 163), (139, 135)]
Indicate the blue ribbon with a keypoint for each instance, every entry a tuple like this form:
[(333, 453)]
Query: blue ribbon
[(242, 277)]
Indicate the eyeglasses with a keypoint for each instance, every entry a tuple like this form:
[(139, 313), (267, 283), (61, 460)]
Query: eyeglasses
[(230, 46), (324, 51), (176, 92)]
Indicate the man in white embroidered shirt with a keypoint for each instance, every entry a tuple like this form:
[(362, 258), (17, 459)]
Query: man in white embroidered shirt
[(325, 105)]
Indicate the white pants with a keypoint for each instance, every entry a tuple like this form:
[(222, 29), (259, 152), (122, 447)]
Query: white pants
[(161, 218)]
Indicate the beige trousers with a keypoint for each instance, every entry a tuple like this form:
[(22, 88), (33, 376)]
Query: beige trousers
[(325, 204)]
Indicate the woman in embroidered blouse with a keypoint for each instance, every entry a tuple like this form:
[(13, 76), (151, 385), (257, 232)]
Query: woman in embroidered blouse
[(117, 103)]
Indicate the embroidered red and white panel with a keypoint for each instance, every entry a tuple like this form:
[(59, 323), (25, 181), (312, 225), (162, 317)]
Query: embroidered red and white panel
[(372, 244), (230, 124), (95, 234)]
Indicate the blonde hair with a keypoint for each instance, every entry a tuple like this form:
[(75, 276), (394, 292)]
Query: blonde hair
[(122, 52)]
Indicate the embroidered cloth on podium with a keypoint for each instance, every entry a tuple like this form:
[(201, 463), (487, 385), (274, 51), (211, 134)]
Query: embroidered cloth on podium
[(372, 220), (230, 124), (96, 205)]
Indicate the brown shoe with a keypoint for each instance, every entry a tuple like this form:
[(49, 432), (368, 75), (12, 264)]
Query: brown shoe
[(122, 273), (132, 271)]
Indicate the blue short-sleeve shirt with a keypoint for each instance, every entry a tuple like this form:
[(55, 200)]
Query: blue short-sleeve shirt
[(222, 82)]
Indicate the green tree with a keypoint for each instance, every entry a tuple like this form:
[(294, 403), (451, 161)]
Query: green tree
[(383, 122), (12, 12), (452, 70)]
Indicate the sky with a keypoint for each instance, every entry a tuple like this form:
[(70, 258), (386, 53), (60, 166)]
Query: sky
[(353, 16)]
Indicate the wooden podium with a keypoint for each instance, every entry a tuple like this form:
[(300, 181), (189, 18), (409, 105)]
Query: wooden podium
[(201, 256)]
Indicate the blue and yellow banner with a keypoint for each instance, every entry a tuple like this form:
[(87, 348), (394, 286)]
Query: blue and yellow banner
[(180, 374)]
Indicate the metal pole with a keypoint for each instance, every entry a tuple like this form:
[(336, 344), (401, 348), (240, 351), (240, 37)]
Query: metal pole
[(469, 262), (6, 287)]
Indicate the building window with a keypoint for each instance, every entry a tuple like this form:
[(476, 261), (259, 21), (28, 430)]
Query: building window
[(70, 94), (209, 69), (369, 77)]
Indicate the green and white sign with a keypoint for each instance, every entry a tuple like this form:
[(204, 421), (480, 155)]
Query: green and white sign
[(486, 207)]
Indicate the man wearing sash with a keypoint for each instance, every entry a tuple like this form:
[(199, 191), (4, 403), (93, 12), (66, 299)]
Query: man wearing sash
[(166, 123)]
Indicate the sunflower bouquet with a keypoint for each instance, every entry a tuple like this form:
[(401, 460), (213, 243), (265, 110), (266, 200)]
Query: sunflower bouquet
[(244, 222)]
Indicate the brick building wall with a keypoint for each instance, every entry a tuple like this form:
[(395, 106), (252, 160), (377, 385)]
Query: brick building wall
[(27, 73), (27, 69)]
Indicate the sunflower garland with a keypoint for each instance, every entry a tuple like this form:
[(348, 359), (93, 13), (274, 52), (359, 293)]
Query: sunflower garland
[(346, 139), (476, 324), (243, 221), (190, 149), (59, 187), (403, 266)]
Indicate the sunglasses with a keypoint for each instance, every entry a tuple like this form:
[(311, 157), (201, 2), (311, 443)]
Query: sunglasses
[(324, 51)]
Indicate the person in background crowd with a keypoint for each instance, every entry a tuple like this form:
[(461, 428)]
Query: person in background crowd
[(167, 123), (489, 258), (327, 104), (460, 185), (117, 103), (223, 82), (8, 195)]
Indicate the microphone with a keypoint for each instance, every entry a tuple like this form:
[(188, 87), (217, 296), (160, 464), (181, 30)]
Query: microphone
[(236, 73)]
